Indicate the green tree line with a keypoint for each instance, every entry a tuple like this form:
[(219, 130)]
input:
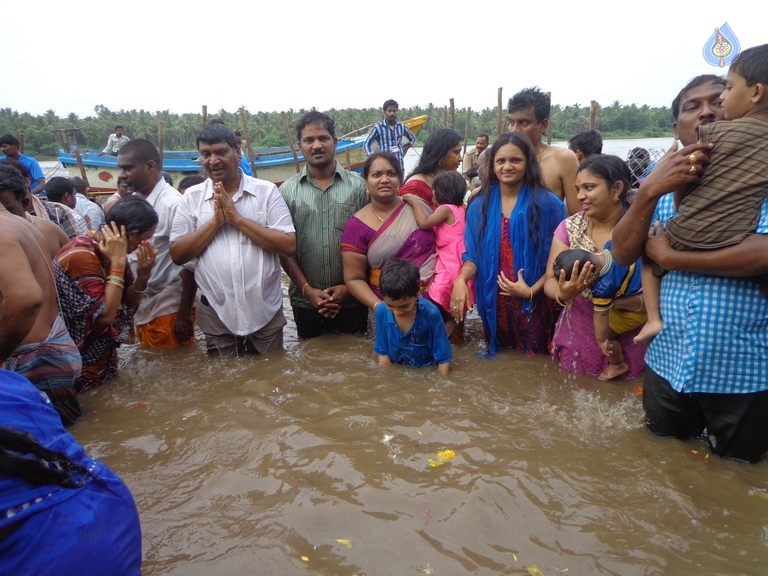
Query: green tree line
[(267, 129)]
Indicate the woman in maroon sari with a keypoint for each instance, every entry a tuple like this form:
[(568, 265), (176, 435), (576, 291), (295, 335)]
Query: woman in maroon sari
[(442, 151), (382, 230)]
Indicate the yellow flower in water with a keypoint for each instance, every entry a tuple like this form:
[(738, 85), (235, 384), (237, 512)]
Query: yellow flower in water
[(346, 542), (443, 456)]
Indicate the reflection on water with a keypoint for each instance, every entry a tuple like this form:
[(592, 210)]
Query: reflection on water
[(316, 461)]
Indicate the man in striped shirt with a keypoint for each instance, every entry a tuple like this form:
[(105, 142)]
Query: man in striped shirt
[(321, 198), (389, 134)]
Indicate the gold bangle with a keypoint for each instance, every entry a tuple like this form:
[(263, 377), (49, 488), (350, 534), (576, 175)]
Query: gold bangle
[(119, 284), (531, 298), (642, 305), (304, 288), (563, 304)]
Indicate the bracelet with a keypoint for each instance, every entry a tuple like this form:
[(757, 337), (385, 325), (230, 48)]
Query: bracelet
[(531, 298), (304, 288), (563, 304), (120, 271), (116, 280), (118, 284), (642, 305), (137, 291)]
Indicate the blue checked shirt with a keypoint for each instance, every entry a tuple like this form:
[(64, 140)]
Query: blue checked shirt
[(389, 139), (715, 336)]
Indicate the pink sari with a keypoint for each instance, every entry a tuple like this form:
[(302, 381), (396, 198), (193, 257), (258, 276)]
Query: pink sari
[(398, 237), (573, 344)]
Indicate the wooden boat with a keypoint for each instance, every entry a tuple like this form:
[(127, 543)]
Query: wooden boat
[(273, 164)]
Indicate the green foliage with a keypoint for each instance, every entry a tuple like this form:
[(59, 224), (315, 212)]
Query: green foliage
[(266, 129)]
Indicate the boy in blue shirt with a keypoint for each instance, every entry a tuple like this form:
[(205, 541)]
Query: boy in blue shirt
[(409, 328), (612, 282)]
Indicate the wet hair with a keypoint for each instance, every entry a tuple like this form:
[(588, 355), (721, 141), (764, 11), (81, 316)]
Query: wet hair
[(9, 139), (217, 122), (167, 177), (142, 150), (119, 126), (189, 181), (484, 135), (217, 134), (531, 98), (389, 103), (25, 458), (752, 65), (589, 142), (135, 213), (532, 178), (400, 279), (18, 165), (79, 184), (11, 180), (439, 143), (450, 188), (389, 157), (694, 83), (315, 117), (567, 258), (58, 187), (612, 169)]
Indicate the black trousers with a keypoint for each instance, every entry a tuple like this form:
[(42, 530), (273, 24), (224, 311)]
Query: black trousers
[(736, 424)]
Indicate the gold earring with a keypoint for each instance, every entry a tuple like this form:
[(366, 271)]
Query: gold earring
[(616, 198)]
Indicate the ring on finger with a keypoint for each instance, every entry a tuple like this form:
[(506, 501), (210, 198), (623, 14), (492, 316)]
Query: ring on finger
[(692, 169), (692, 159)]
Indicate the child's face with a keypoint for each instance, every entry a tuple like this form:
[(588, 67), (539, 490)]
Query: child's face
[(402, 307), (737, 96)]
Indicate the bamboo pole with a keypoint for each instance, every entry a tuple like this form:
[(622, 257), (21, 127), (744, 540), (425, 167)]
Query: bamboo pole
[(160, 139), (290, 141), (466, 130), (246, 135), (549, 123), (445, 115), (21, 141), (204, 117), (453, 114), (593, 115), (499, 114)]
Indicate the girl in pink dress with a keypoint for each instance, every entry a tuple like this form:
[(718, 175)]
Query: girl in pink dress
[(448, 221)]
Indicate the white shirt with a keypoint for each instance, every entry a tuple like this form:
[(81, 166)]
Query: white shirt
[(163, 294), (240, 280), (86, 207), (114, 143)]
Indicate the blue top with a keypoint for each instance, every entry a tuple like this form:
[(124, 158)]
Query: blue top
[(715, 335), (389, 139), (92, 528), (617, 282), (425, 344), (35, 172), (245, 166)]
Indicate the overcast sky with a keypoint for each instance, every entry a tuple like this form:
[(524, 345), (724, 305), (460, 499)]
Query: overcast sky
[(276, 55)]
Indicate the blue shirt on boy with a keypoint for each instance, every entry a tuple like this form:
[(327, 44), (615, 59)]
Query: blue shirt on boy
[(425, 344)]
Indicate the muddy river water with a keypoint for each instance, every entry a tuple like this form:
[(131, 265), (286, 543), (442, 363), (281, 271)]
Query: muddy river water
[(315, 461)]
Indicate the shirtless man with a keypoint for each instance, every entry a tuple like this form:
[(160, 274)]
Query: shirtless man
[(16, 202), (529, 113), (33, 337)]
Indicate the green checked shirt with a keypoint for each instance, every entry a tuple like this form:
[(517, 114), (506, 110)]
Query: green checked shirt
[(319, 217)]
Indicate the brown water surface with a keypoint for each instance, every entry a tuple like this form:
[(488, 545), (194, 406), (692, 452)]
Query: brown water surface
[(316, 461)]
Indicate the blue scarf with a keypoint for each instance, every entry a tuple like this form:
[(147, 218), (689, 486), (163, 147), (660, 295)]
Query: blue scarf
[(530, 247)]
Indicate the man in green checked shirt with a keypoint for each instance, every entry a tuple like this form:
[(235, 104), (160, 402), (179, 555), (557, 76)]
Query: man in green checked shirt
[(321, 198)]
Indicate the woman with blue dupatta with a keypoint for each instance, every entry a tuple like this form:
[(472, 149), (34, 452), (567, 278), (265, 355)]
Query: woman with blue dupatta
[(508, 236)]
